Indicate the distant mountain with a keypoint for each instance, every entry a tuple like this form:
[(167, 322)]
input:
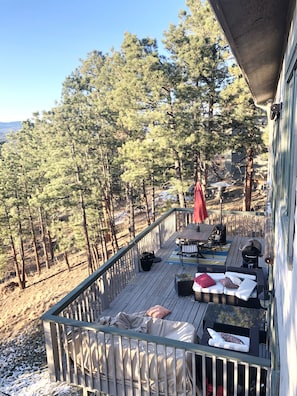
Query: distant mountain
[(6, 127)]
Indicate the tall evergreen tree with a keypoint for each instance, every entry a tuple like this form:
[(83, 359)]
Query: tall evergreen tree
[(198, 50), (245, 121)]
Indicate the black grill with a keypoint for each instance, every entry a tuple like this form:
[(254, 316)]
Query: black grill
[(251, 253)]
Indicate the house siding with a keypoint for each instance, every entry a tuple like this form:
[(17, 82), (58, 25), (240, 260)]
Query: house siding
[(283, 181)]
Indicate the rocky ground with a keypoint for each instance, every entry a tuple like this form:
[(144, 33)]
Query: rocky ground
[(23, 367)]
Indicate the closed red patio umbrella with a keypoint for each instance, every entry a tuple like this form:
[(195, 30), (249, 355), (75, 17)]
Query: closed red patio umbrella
[(200, 211)]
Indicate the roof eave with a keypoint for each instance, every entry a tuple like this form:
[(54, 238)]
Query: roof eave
[(257, 33)]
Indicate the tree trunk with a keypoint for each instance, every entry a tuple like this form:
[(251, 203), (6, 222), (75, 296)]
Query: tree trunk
[(147, 209), (16, 264), (21, 282), (51, 248), (249, 179), (22, 254), (85, 230), (67, 261), (83, 215), (201, 171), (34, 240), (179, 176), (43, 239), (96, 256), (153, 200), (37, 261), (130, 211), (103, 244), (21, 248), (108, 216)]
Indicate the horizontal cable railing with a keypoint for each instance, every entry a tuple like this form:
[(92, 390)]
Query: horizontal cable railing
[(71, 323)]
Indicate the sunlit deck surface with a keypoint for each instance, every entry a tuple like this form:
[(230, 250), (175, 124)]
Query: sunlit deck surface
[(157, 286)]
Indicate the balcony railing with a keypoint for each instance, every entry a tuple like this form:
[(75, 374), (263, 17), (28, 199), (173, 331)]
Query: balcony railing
[(80, 351)]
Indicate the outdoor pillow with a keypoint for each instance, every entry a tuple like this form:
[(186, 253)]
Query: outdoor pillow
[(227, 282), (241, 275), (216, 276), (158, 311), (204, 280), (235, 280), (215, 335), (246, 289), (217, 288), (228, 341)]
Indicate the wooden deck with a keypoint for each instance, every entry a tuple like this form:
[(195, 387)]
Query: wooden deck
[(157, 286), (119, 287)]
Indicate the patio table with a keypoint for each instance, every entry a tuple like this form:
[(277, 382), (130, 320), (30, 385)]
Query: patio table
[(201, 235), (196, 235)]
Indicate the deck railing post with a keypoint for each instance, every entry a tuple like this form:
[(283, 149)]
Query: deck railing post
[(52, 353)]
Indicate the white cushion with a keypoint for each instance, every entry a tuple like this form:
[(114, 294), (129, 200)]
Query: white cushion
[(188, 249), (218, 288), (230, 292), (217, 341), (240, 275), (246, 289)]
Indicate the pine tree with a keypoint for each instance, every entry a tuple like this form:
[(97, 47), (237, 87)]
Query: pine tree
[(198, 51), (245, 121)]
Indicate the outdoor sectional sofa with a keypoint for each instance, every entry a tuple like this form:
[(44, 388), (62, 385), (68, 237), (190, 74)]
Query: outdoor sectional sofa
[(250, 286), (159, 369)]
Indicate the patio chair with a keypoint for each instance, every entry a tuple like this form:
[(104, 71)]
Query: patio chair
[(188, 248), (216, 239)]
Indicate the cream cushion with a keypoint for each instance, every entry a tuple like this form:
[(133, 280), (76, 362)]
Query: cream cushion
[(216, 340), (247, 285)]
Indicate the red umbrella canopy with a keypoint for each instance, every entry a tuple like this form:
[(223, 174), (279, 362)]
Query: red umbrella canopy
[(200, 211)]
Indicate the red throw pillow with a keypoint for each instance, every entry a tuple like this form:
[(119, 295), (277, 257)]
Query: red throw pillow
[(204, 280)]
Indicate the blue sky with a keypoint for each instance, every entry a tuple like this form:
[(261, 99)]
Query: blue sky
[(42, 42)]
